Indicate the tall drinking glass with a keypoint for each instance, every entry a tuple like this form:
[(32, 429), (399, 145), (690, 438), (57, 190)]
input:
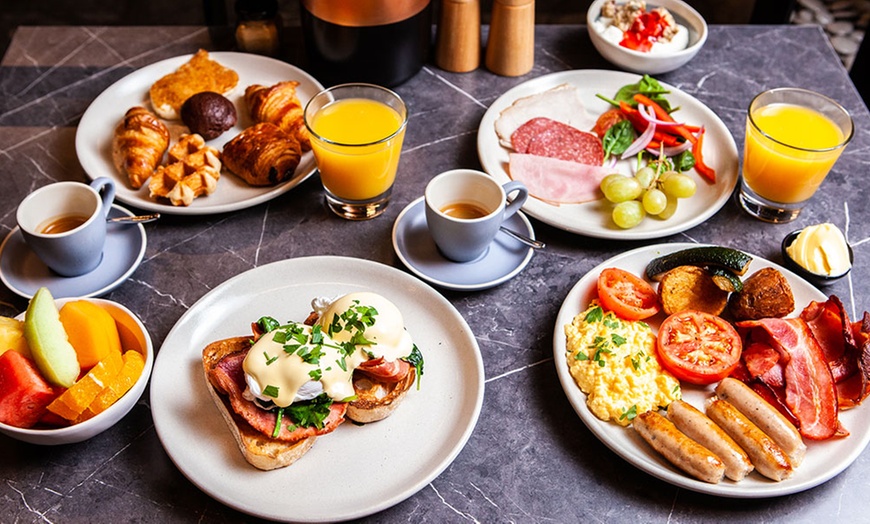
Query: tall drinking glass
[(356, 135), (793, 139)]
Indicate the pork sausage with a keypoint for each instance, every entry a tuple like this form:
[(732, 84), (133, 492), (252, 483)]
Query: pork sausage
[(680, 450), (704, 431), (768, 458), (766, 417)]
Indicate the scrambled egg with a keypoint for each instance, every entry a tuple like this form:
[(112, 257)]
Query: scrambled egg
[(615, 364)]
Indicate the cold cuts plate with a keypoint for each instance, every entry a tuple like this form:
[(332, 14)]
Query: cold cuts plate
[(96, 128), (823, 461), (593, 218), (356, 470)]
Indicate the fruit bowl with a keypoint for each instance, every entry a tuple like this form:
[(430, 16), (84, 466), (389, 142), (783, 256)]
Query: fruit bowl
[(133, 336), (651, 63)]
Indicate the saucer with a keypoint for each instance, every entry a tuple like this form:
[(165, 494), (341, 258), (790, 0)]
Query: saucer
[(23, 272), (502, 261)]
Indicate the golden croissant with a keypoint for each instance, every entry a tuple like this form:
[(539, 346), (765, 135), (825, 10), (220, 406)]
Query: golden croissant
[(262, 155), (279, 105), (138, 145)]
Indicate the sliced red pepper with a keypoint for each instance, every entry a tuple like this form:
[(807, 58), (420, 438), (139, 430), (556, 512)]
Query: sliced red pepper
[(703, 169), (661, 114)]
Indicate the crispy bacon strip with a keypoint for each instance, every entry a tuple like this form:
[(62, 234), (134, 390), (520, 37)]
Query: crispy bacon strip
[(228, 377), (810, 392), (388, 371)]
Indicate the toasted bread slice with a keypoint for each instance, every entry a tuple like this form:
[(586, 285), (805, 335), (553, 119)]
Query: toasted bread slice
[(259, 450), (376, 400), (198, 74)]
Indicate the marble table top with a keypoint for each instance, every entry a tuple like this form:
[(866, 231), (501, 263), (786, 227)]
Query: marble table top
[(530, 458)]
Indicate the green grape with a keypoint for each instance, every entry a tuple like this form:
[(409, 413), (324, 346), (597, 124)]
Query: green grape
[(628, 214), (670, 208), (654, 201), (678, 185), (608, 179), (622, 189), (646, 176)]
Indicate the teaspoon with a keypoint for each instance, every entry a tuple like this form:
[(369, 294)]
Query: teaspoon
[(139, 219), (531, 242)]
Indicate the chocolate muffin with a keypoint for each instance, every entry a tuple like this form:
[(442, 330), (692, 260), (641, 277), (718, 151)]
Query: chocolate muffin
[(208, 114)]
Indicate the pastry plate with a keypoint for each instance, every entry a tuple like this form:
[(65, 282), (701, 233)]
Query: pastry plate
[(356, 470), (593, 218), (24, 273), (503, 260), (823, 461), (97, 126)]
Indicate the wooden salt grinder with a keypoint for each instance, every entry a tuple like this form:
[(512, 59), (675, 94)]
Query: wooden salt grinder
[(510, 50), (457, 45)]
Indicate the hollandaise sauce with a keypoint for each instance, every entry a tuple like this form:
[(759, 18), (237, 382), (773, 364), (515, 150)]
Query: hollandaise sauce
[(297, 362)]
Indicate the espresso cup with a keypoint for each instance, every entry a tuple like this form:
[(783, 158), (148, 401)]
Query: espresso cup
[(65, 224), (464, 210)]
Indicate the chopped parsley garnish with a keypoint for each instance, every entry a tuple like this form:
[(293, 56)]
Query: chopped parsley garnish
[(315, 374), (612, 322), (271, 391), (581, 356), (311, 413), (268, 324), (630, 413), (594, 315), (618, 339)]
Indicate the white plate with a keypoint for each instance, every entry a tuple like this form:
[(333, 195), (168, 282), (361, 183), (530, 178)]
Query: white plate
[(593, 218), (823, 461), (97, 126), (356, 470), (503, 260)]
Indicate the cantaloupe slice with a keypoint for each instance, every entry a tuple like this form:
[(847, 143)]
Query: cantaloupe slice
[(131, 334), (91, 331), (79, 396), (134, 363)]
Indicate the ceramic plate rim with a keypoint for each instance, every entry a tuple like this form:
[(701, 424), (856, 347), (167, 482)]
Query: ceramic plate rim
[(574, 218), (632, 449), (330, 271), (449, 285), (105, 111), (95, 293)]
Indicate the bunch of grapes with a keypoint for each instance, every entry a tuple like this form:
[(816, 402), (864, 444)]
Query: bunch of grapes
[(646, 193)]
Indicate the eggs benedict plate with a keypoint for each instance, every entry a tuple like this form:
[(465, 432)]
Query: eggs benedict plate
[(357, 469), (293, 382)]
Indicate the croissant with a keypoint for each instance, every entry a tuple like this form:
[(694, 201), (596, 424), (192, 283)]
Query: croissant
[(138, 145), (279, 105), (262, 155)]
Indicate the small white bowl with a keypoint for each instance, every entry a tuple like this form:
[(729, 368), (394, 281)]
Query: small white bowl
[(639, 62), (103, 421)]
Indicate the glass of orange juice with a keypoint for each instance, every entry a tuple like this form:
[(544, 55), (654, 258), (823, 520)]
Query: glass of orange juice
[(356, 135), (793, 138)]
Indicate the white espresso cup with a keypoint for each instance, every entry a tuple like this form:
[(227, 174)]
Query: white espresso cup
[(65, 224), (464, 210)]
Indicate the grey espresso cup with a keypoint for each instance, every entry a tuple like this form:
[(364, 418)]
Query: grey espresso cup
[(464, 210), (65, 224)]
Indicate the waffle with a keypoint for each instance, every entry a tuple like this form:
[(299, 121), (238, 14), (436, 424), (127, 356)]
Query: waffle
[(193, 170)]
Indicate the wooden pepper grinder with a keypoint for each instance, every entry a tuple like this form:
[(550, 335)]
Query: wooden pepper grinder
[(457, 45), (510, 50)]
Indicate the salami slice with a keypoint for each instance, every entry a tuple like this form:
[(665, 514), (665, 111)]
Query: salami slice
[(545, 137)]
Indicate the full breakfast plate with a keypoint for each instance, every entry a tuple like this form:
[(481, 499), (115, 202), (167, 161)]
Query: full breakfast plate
[(824, 459), (97, 125), (593, 218), (356, 470)]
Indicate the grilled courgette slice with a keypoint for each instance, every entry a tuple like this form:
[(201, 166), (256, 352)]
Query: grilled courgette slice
[(705, 256), (725, 279)]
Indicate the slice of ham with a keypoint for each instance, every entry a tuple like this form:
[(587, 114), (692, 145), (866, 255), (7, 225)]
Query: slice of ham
[(562, 103), (228, 377), (557, 181), (385, 370), (810, 392)]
